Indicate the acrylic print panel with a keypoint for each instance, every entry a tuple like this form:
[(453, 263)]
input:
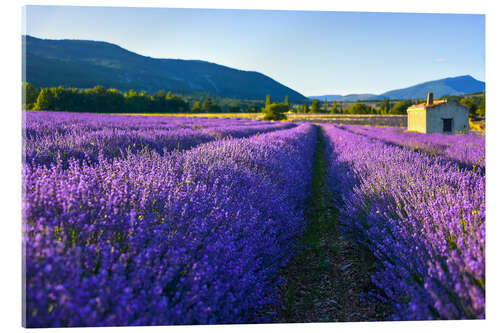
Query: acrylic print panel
[(285, 173)]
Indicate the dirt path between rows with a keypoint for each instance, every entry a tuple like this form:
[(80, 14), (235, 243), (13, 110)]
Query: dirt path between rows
[(328, 278)]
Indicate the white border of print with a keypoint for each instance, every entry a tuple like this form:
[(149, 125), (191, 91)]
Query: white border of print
[(10, 284)]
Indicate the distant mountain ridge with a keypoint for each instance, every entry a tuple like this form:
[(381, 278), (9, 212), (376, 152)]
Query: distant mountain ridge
[(345, 98), (458, 85), (85, 64)]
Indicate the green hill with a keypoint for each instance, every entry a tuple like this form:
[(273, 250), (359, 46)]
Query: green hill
[(85, 64)]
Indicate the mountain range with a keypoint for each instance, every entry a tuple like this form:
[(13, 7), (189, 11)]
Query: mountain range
[(450, 86), (85, 64)]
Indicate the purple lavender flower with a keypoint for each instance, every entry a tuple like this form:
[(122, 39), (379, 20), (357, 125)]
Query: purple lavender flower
[(156, 237), (421, 216)]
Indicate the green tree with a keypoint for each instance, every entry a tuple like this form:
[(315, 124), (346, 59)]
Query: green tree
[(287, 100), (99, 90), (471, 105), (315, 106), (384, 106), (268, 100), (305, 108), (98, 99), (160, 95), (29, 95), (136, 102), (196, 107), (45, 100), (207, 104), (233, 108), (115, 102), (63, 98), (252, 108), (335, 108), (400, 107), (275, 111), (358, 108), (481, 110)]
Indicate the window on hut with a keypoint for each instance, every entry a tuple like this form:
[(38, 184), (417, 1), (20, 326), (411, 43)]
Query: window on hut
[(447, 122)]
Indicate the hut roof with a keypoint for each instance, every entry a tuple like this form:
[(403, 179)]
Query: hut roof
[(423, 106)]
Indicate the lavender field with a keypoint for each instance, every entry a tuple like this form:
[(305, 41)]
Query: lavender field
[(421, 216), (150, 220), (466, 150)]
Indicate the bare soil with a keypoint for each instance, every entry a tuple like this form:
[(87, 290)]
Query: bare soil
[(329, 277)]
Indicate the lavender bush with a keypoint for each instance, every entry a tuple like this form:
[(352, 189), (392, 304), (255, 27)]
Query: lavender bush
[(191, 237), (466, 149), (421, 217), (52, 135), (132, 220)]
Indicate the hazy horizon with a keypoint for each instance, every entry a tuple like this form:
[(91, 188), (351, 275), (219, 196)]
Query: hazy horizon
[(373, 53)]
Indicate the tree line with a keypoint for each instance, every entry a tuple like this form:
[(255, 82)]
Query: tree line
[(276, 111), (475, 103), (102, 100), (384, 107)]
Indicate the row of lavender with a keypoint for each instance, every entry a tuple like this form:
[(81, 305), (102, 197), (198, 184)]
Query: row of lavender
[(422, 218), (65, 121), (466, 149), (50, 136), (177, 238)]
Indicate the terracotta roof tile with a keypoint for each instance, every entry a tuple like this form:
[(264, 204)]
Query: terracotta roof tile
[(425, 105)]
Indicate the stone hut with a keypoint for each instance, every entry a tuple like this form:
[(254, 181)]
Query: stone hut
[(438, 116)]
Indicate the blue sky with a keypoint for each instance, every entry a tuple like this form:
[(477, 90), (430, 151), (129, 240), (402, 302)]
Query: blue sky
[(312, 52)]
